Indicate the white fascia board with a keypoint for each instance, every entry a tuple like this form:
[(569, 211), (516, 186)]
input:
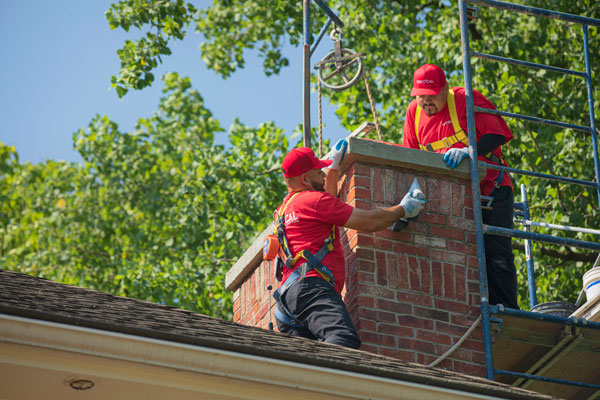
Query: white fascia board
[(171, 359)]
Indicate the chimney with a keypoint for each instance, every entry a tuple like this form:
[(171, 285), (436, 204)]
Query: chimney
[(412, 294)]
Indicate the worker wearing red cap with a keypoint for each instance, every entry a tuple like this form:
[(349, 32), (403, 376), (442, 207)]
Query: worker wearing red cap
[(436, 121), (309, 300)]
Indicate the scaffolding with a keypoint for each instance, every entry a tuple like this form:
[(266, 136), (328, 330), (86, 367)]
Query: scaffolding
[(546, 338), (575, 326)]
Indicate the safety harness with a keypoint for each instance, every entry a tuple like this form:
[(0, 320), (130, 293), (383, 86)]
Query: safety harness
[(285, 259), (459, 136)]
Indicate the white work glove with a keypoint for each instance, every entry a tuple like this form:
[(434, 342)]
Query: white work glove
[(454, 156), (338, 153), (413, 202)]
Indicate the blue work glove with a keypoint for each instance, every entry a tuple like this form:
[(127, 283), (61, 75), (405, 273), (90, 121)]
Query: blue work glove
[(454, 156), (338, 151), (413, 202)]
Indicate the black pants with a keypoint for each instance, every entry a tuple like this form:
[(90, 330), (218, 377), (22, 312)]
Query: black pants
[(499, 259), (315, 302)]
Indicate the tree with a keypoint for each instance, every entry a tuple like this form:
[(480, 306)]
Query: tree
[(158, 214), (399, 36)]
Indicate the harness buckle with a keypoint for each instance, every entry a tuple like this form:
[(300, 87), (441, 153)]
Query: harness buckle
[(429, 147), (446, 142)]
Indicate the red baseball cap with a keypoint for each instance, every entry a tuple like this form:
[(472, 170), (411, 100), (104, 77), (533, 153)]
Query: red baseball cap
[(301, 160), (428, 80)]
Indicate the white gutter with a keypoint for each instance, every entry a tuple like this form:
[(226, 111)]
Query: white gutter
[(182, 366)]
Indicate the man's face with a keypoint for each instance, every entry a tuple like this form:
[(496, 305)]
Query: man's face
[(433, 104), (317, 179)]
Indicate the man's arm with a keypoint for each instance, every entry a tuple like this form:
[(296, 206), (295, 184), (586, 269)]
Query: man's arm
[(374, 220), (381, 218), (331, 181)]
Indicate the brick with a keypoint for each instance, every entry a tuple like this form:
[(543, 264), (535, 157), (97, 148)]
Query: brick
[(393, 306), (468, 199), (450, 329), (392, 329), (458, 203), (389, 186), (461, 247), (366, 325), (366, 266), (404, 355), (429, 241), (433, 194), (461, 223), (413, 274), (410, 249), (377, 184), (365, 277), (448, 256), (425, 272), (448, 270), (359, 181), (455, 234), (434, 337), (367, 347), (412, 321), (432, 218), (437, 315), (360, 204), (362, 170), (445, 197), (393, 277), (381, 267), (460, 283), (469, 213), (402, 265), (375, 291), (417, 345), (365, 254), (358, 194), (453, 306), (383, 244), (402, 236), (471, 237), (437, 278), (415, 298)]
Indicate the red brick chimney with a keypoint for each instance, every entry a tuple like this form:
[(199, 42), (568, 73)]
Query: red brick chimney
[(412, 294)]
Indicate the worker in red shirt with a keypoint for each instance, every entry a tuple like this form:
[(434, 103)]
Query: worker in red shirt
[(437, 121), (309, 302)]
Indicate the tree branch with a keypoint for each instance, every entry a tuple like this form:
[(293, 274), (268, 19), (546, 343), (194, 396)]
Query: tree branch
[(568, 255)]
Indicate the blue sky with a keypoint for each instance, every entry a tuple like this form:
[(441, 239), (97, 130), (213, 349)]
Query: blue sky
[(57, 60)]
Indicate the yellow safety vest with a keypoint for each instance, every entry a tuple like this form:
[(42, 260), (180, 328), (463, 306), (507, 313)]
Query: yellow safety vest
[(459, 133)]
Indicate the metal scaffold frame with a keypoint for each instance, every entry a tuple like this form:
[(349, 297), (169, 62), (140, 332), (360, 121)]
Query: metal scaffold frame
[(486, 309)]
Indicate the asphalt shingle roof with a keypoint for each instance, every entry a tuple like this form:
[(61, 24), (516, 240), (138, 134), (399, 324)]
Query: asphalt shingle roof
[(41, 299)]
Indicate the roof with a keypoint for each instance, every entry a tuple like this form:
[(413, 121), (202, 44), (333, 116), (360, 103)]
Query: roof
[(40, 299)]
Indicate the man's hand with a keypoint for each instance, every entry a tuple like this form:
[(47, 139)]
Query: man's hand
[(454, 156), (413, 203), (338, 153)]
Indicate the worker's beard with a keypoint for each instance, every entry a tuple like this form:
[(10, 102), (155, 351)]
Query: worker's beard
[(318, 186), (430, 109)]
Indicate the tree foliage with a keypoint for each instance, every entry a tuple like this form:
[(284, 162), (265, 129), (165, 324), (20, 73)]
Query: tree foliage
[(398, 37), (160, 213)]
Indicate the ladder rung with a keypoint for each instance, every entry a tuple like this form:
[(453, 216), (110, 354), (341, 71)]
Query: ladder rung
[(528, 64), (534, 119)]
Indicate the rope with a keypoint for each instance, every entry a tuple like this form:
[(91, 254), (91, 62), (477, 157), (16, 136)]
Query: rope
[(457, 344), (320, 120), (372, 105)]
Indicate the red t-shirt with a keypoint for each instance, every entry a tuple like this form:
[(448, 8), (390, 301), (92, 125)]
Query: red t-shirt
[(439, 125), (308, 220)]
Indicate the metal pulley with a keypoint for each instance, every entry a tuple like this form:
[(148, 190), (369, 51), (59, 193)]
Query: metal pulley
[(341, 68)]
